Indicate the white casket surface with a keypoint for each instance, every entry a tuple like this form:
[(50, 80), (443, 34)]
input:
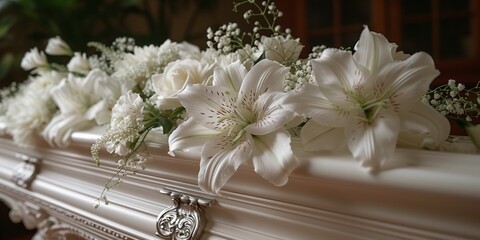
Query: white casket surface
[(420, 195)]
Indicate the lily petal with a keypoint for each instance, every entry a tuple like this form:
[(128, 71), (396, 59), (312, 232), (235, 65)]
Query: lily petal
[(317, 137), (66, 96), (60, 128), (99, 112), (273, 158), (372, 50), (269, 116), (411, 80), (211, 106), (310, 102), (373, 143), (264, 76), (189, 138), (230, 77), (104, 85), (220, 160), (423, 126), (337, 74)]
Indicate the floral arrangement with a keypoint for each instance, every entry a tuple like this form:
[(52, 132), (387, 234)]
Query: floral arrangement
[(240, 101)]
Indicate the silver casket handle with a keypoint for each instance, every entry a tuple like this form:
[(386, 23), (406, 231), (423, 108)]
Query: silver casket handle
[(25, 172), (185, 219)]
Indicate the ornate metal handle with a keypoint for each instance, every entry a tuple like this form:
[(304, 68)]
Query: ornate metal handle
[(184, 220), (24, 173)]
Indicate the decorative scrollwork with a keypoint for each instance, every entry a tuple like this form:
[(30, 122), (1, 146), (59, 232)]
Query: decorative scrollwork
[(24, 173), (184, 220)]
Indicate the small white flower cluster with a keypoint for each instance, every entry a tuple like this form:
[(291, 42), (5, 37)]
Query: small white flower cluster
[(110, 54), (455, 101), (137, 67), (301, 71), (229, 38), (300, 74), (125, 127), (316, 52), (267, 8)]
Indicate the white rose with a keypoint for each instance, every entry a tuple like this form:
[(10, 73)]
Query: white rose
[(281, 49), (34, 59), (79, 64), (176, 76), (56, 46)]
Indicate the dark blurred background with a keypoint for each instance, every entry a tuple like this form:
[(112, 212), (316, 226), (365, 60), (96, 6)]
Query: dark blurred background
[(448, 30), (25, 24)]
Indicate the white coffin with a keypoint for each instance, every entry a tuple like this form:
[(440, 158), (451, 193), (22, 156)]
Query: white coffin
[(422, 195)]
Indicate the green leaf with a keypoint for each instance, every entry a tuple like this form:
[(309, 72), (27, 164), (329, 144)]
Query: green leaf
[(166, 124), (260, 58)]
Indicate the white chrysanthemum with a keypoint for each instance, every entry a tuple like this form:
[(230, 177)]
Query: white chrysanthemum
[(34, 59), (31, 108), (126, 122), (56, 46), (128, 111), (139, 66), (79, 63)]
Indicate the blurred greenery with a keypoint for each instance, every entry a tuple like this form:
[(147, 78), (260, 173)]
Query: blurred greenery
[(25, 24)]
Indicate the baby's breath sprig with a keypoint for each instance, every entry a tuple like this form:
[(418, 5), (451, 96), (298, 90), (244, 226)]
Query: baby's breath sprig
[(229, 38), (456, 102), (137, 155), (126, 165), (110, 54), (301, 71), (267, 14)]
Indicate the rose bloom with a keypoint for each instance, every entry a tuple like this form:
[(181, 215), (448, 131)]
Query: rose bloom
[(178, 75)]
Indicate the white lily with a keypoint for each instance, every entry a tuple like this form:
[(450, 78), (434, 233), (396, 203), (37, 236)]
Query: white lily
[(82, 103), (238, 120), (367, 99)]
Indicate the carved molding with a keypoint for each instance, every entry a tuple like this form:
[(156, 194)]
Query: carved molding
[(33, 217), (28, 213), (52, 228), (45, 216), (184, 220)]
